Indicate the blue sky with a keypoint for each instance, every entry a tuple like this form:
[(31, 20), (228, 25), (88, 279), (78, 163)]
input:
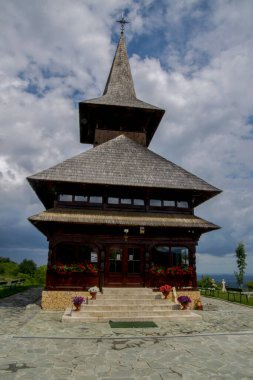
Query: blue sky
[(191, 57)]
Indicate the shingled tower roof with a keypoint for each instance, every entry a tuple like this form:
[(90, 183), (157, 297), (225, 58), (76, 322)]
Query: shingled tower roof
[(120, 70), (118, 108), (119, 89), (123, 162)]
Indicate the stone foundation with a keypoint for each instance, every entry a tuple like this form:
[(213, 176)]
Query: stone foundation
[(60, 299), (194, 295)]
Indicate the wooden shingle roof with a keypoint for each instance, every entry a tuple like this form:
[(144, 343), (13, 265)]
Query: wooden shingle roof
[(118, 104), (82, 216), (119, 89), (122, 161)]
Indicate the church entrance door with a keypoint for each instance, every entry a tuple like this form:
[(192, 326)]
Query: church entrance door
[(124, 266)]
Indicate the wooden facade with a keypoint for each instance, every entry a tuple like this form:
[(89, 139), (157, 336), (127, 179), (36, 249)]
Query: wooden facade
[(119, 214)]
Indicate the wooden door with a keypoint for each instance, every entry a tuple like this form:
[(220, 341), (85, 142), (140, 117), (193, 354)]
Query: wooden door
[(124, 266), (134, 266)]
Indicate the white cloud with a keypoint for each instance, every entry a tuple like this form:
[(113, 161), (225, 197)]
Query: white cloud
[(220, 265), (10, 176)]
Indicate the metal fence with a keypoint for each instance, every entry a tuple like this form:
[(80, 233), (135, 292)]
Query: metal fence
[(237, 295)]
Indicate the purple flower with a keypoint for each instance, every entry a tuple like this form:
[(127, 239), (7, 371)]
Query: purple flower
[(77, 300), (184, 299)]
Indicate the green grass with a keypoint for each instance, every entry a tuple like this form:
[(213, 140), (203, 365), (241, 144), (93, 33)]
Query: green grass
[(228, 296)]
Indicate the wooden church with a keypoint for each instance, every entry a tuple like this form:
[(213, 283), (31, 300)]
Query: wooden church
[(120, 215)]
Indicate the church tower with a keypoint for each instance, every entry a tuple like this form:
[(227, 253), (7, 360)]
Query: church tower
[(118, 111), (118, 214)]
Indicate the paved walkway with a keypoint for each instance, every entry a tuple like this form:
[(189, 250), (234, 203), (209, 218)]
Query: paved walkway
[(35, 344)]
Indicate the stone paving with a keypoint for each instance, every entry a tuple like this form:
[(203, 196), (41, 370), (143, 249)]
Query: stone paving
[(35, 344)]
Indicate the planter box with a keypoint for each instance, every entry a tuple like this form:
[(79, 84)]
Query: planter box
[(179, 281), (71, 280)]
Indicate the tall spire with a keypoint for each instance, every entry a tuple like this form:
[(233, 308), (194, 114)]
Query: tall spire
[(120, 83), (118, 111)]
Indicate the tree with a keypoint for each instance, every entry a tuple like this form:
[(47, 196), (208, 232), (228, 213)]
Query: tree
[(27, 267), (4, 260), (241, 263), (205, 282), (8, 268), (40, 275)]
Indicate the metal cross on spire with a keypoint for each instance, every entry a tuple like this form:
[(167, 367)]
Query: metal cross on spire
[(123, 21)]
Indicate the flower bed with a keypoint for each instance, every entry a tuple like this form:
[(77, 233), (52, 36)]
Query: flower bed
[(173, 271), (178, 276), (86, 267), (71, 280)]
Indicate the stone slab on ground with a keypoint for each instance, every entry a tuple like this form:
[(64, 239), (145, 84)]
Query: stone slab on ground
[(36, 344)]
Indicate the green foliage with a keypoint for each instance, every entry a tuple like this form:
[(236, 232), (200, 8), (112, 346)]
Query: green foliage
[(27, 270), (241, 263), (40, 275), (4, 260), (27, 267), (250, 284), (214, 285), (205, 282), (8, 269)]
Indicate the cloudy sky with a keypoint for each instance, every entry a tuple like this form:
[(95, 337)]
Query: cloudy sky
[(191, 57)]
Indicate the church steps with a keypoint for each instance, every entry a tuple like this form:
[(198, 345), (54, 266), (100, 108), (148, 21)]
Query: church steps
[(128, 301), (124, 307), (176, 315), (121, 304)]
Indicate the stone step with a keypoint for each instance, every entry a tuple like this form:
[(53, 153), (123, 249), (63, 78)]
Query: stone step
[(117, 294), (125, 301), (134, 300), (130, 294), (128, 304), (132, 289), (127, 291), (71, 316), (132, 308), (124, 313)]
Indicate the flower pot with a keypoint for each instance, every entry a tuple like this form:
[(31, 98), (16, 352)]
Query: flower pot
[(166, 294), (93, 295), (77, 306), (185, 305)]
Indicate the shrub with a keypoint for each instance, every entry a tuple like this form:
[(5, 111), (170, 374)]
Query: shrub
[(27, 267), (205, 282), (8, 268), (40, 275)]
